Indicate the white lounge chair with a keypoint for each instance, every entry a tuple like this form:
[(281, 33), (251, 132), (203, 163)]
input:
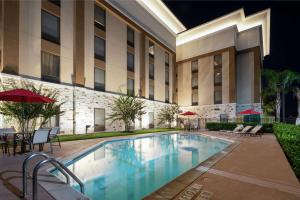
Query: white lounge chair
[(245, 130), (238, 128), (256, 130)]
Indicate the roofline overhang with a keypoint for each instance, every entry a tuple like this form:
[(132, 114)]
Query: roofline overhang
[(162, 13), (236, 18)]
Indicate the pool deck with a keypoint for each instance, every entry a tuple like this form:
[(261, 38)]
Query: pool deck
[(254, 168)]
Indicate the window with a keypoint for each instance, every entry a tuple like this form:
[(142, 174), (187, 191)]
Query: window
[(99, 17), (194, 97), (218, 76), (167, 75), (151, 92), (52, 122), (167, 94), (50, 67), (130, 87), (56, 2), (130, 62), (151, 119), (50, 27), (151, 49), (99, 119), (99, 83), (130, 36), (151, 71), (218, 60), (218, 96), (99, 48), (194, 66), (167, 58), (194, 81)]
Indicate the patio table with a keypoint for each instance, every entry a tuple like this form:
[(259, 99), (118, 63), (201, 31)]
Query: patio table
[(26, 136)]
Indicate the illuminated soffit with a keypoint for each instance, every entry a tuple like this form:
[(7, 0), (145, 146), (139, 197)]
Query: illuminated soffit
[(162, 13), (237, 19)]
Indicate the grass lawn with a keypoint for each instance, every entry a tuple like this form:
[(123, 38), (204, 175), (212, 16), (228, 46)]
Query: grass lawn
[(64, 138)]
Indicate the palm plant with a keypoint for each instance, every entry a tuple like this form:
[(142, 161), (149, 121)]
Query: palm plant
[(168, 114), (278, 83), (31, 112), (126, 109)]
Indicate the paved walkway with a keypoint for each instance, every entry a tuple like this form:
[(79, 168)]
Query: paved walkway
[(254, 169)]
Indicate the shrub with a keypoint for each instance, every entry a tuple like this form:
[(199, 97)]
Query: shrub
[(289, 138), (216, 126)]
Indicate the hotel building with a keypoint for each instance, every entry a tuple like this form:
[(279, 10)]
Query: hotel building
[(93, 51)]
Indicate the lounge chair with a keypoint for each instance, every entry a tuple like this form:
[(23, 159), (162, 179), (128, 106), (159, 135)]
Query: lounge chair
[(237, 128), (54, 135), (245, 130), (257, 129), (40, 137)]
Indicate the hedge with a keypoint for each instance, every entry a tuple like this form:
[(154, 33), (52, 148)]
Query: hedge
[(289, 138), (216, 126)]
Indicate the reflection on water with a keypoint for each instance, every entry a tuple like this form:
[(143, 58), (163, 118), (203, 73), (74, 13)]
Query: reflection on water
[(131, 169)]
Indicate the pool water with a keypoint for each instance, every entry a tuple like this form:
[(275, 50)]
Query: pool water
[(130, 169)]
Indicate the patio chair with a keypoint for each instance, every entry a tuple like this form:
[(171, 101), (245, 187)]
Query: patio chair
[(40, 137), (257, 129), (54, 135), (4, 134)]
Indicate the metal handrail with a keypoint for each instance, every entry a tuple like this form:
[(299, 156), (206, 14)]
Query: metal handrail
[(59, 166), (25, 171)]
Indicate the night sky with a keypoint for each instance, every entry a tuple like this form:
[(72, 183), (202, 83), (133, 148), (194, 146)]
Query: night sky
[(285, 28)]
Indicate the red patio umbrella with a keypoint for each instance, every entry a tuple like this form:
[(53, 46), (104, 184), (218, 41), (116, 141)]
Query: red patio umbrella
[(188, 113), (249, 112), (24, 96)]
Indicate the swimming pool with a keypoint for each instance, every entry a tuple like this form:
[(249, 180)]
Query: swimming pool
[(130, 169)]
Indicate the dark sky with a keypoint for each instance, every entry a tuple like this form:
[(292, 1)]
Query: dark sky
[(285, 29), (285, 24)]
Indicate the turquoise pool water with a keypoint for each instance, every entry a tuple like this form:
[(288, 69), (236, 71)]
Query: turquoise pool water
[(130, 169)]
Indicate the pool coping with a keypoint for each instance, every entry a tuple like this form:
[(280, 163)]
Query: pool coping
[(208, 163)]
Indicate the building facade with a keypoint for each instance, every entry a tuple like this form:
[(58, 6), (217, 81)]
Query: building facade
[(93, 51)]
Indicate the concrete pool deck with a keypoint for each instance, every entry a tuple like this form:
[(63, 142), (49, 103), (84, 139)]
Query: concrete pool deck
[(256, 168)]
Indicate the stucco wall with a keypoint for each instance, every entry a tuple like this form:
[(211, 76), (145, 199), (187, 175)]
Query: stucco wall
[(30, 38), (245, 78), (210, 43), (66, 44), (206, 81), (159, 74), (116, 54), (184, 84), (249, 38)]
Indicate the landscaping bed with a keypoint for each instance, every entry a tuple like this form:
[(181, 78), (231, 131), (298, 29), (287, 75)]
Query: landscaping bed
[(289, 138), (111, 134), (216, 126)]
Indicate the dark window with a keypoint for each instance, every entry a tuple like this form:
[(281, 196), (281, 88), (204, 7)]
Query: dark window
[(99, 119), (52, 122), (218, 76), (194, 81), (130, 87), (194, 97), (151, 71), (50, 27), (99, 17), (218, 96), (218, 60), (99, 48), (151, 92), (130, 62), (167, 74), (56, 2), (194, 66), (167, 58), (130, 36), (167, 94), (99, 79), (151, 49), (50, 67)]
